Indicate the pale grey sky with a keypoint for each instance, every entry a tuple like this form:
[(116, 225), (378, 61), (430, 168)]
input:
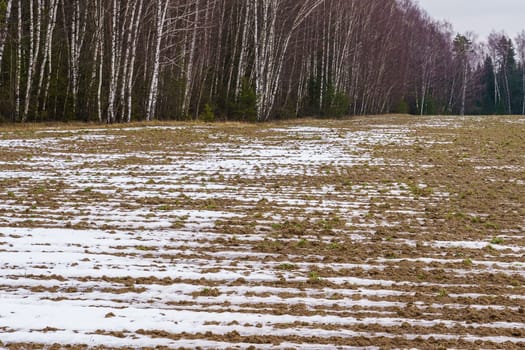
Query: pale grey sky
[(480, 16)]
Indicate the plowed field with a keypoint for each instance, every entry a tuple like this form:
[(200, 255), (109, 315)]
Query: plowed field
[(368, 233)]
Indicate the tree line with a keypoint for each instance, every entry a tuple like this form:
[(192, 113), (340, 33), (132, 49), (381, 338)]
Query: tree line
[(126, 60)]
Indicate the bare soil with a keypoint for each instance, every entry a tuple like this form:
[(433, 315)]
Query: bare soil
[(374, 233)]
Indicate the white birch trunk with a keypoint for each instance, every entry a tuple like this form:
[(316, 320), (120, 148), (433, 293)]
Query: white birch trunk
[(131, 6), (18, 61), (49, 58), (132, 62), (46, 64), (162, 9), (100, 71), (34, 50), (242, 58), (188, 86), (113, 73)]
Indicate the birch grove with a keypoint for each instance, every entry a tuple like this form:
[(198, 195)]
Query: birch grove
[(112, 61)]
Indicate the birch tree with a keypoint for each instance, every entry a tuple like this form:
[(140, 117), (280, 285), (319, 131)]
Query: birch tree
[(18, 71), (35, 23), (46, 65), (115, 60), (271, 39), (462, 48), (520, 43), (4, 29), (161, 7), (188, 84), (131, 55), (97, 11)]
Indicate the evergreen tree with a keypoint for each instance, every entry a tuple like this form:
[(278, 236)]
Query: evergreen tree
[(486, 99)]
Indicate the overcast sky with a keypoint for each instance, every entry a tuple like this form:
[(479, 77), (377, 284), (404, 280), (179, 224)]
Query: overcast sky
[(480, 16)]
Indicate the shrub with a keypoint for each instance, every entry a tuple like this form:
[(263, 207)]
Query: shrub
[(245, 107), (207, 115), (401, 107), (338, 104)]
